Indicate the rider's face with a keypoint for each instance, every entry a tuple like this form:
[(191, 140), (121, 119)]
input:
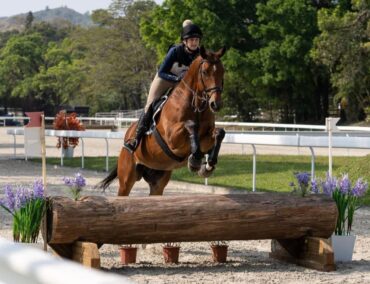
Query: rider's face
[(192, 43)]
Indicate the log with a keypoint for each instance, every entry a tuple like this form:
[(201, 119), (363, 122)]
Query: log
[(159, 219)]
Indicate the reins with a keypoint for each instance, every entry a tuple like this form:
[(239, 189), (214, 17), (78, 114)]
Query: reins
[(204, 98)]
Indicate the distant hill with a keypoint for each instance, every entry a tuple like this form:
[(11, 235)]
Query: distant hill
[(54, 16)]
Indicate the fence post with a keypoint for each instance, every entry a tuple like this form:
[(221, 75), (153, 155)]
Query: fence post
[(330, 123)]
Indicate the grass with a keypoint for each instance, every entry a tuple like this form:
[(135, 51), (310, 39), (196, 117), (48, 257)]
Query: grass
[(274, 173)]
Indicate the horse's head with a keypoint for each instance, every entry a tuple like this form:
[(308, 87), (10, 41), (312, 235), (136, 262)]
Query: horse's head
[(211, 76)]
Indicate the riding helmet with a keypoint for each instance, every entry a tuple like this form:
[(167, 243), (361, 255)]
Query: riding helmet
[(190, 30)]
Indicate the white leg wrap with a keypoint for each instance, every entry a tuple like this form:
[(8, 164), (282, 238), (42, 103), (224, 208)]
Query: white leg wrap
[(208, 167)]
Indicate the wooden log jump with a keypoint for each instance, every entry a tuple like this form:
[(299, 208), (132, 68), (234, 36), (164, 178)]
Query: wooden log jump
[(299, 225)]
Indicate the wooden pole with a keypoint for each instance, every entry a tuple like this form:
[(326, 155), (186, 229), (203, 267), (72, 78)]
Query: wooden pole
[(135, 220)]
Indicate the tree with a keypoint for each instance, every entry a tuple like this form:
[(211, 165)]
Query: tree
[(343, 47), (29, 20), (285, 30), (57, 82), (118, 67), (19, 60)]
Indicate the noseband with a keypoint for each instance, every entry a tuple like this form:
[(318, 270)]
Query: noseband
[(204, 96)]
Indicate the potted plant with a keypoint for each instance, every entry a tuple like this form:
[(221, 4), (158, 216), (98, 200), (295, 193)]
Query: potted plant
[(75, 185), (347, 199), (128, 254), (171, 252), (27, 205), (64, 121), (219, 251)]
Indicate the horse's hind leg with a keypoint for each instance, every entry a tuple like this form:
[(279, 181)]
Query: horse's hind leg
[(126, 172), (157, 180)]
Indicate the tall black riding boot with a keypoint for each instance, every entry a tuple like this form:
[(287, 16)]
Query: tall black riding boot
[(142, 127)]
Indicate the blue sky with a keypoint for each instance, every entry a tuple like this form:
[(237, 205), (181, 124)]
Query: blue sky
[(14, 7)]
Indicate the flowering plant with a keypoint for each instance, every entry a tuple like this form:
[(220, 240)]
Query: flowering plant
[(75, 185), (346, 197), (344, 194), (27, 206), (303, 180), (64, 121)]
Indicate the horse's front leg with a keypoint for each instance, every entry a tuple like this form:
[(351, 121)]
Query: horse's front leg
[(208, 167), (195, 158)]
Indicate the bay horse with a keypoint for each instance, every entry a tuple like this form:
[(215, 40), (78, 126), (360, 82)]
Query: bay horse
[(184, 132)]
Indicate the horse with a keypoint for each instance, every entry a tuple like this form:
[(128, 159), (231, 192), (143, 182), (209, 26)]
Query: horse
[(183, 133)]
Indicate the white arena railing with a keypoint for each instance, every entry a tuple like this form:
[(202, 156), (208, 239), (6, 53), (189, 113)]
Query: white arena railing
[(22, 264), (238, 126), (310, 139)]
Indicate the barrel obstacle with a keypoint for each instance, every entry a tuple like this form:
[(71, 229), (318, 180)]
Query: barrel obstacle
[(298, 226)]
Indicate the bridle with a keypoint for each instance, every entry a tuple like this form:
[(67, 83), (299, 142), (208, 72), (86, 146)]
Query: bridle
[(204, 95)]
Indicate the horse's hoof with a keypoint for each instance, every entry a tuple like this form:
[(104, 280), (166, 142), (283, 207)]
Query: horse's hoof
[(203, 172), (194, 165)]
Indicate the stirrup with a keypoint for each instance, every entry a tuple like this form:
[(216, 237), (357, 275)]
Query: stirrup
[(130, 145)]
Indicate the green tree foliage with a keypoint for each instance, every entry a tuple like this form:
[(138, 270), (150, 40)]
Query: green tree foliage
[(19, 59), (281, 67), (118, 67), (35, 72), (344, 47)]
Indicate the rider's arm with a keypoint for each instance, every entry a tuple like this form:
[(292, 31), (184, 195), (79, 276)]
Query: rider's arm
[(164, 69)]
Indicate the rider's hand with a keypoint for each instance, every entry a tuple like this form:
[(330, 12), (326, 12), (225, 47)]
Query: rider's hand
[(181, 76)]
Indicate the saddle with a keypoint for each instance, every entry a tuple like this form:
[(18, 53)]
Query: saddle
[(156, 108)]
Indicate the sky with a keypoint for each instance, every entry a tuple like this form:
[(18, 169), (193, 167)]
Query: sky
[(14, 7)]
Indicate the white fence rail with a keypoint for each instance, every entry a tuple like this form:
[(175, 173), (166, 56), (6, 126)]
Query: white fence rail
[(238, 126), (23, 264), (311, 140)]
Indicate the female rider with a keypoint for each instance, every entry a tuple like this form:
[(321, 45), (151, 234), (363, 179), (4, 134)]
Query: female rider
[(170, 73)]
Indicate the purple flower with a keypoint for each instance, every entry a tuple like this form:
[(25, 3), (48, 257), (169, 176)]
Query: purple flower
[(77, 182), (345, 184), (360, 188), (22, 196), (315, 186), (80, 180), (303, 178), (9, 199), (75, 185), (329, 185), (38, 189), (68, 181)]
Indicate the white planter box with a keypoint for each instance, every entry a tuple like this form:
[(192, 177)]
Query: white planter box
[(343, 247)]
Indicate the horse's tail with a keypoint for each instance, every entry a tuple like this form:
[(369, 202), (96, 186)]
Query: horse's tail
[(108, 180)]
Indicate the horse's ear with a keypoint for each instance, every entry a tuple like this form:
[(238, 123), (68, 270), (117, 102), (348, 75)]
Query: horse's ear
[(221, 52), (203, 52)]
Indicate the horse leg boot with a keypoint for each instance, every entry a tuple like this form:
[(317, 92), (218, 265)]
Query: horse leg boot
[(142, 127), (208, 167), (195, 158)]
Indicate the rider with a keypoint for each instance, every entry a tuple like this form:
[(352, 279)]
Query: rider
[(170, 73)]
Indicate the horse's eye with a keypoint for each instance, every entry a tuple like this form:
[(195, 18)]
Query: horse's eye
[(204, 72)]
